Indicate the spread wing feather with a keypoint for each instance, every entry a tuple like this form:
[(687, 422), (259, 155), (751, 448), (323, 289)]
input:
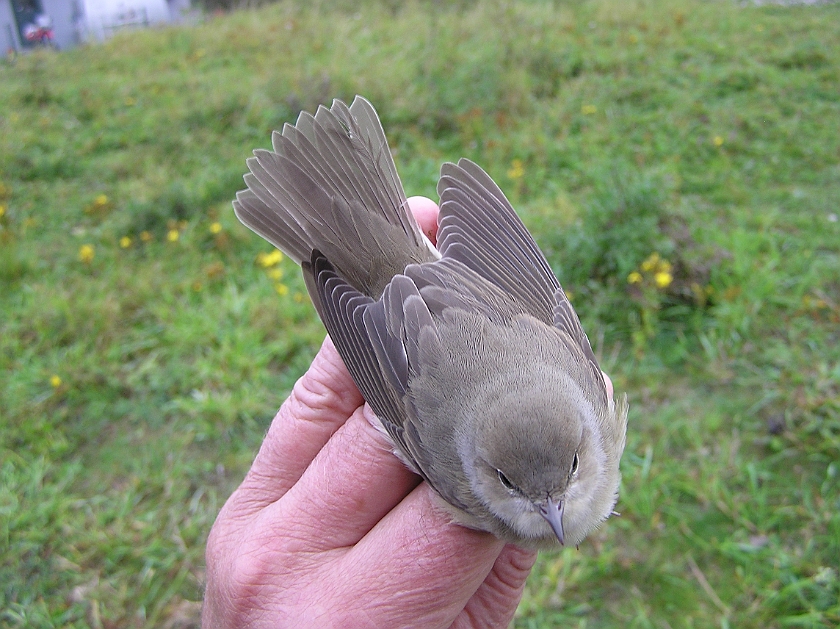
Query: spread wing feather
[(566, 320), (342, 309), (377, 339), (479, 223), (480, 229)]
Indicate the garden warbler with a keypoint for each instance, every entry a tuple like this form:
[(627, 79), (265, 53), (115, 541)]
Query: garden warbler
[(469, 353)]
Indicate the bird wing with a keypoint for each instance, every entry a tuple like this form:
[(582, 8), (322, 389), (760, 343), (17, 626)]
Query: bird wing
[(342, 309), (378, 340), (566, 320), (479, 228)]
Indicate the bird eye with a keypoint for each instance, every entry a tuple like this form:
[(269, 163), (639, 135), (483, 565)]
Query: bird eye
[(505, 481), (575, 463)]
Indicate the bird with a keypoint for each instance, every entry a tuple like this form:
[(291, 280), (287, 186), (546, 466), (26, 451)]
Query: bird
[(468, 351)]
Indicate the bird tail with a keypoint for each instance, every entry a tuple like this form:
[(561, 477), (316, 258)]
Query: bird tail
[(330, 185)]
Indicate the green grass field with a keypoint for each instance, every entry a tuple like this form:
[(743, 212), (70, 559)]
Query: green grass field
[(146, 340)]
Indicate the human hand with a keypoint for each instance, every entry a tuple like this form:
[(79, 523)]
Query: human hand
[(330, 529)]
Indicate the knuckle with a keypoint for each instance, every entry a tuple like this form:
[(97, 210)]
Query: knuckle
[(314, 392)]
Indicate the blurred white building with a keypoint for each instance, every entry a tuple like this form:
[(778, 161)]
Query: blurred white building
[(25, 23)]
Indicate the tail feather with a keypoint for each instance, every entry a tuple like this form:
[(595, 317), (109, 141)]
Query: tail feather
[(330, 184), (261, 218)]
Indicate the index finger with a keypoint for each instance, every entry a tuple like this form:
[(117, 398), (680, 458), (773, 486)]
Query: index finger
[(321, 401)]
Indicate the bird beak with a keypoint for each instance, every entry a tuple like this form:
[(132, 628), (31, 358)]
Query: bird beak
[(553, 514)]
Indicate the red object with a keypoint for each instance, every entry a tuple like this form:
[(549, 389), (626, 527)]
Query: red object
[(38, 34)]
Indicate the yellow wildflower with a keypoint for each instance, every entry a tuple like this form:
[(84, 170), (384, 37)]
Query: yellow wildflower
[(145, 236), (717, 140), (299, 297), (55, 381), (86, 254), (588, 110), (215, 228), (282, 289), (101, 200), (634, 278), (275, 274), (651, 263), (125, 242), (267, 260), (663, 279), (2, 210), (172, 235), (517, 169)]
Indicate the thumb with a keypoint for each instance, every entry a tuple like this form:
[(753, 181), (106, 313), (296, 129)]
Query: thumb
[(426, 212)]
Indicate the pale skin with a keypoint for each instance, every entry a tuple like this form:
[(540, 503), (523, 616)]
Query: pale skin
[(330, 529)]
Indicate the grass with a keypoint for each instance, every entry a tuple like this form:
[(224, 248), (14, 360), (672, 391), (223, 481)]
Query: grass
[(139, 380)]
